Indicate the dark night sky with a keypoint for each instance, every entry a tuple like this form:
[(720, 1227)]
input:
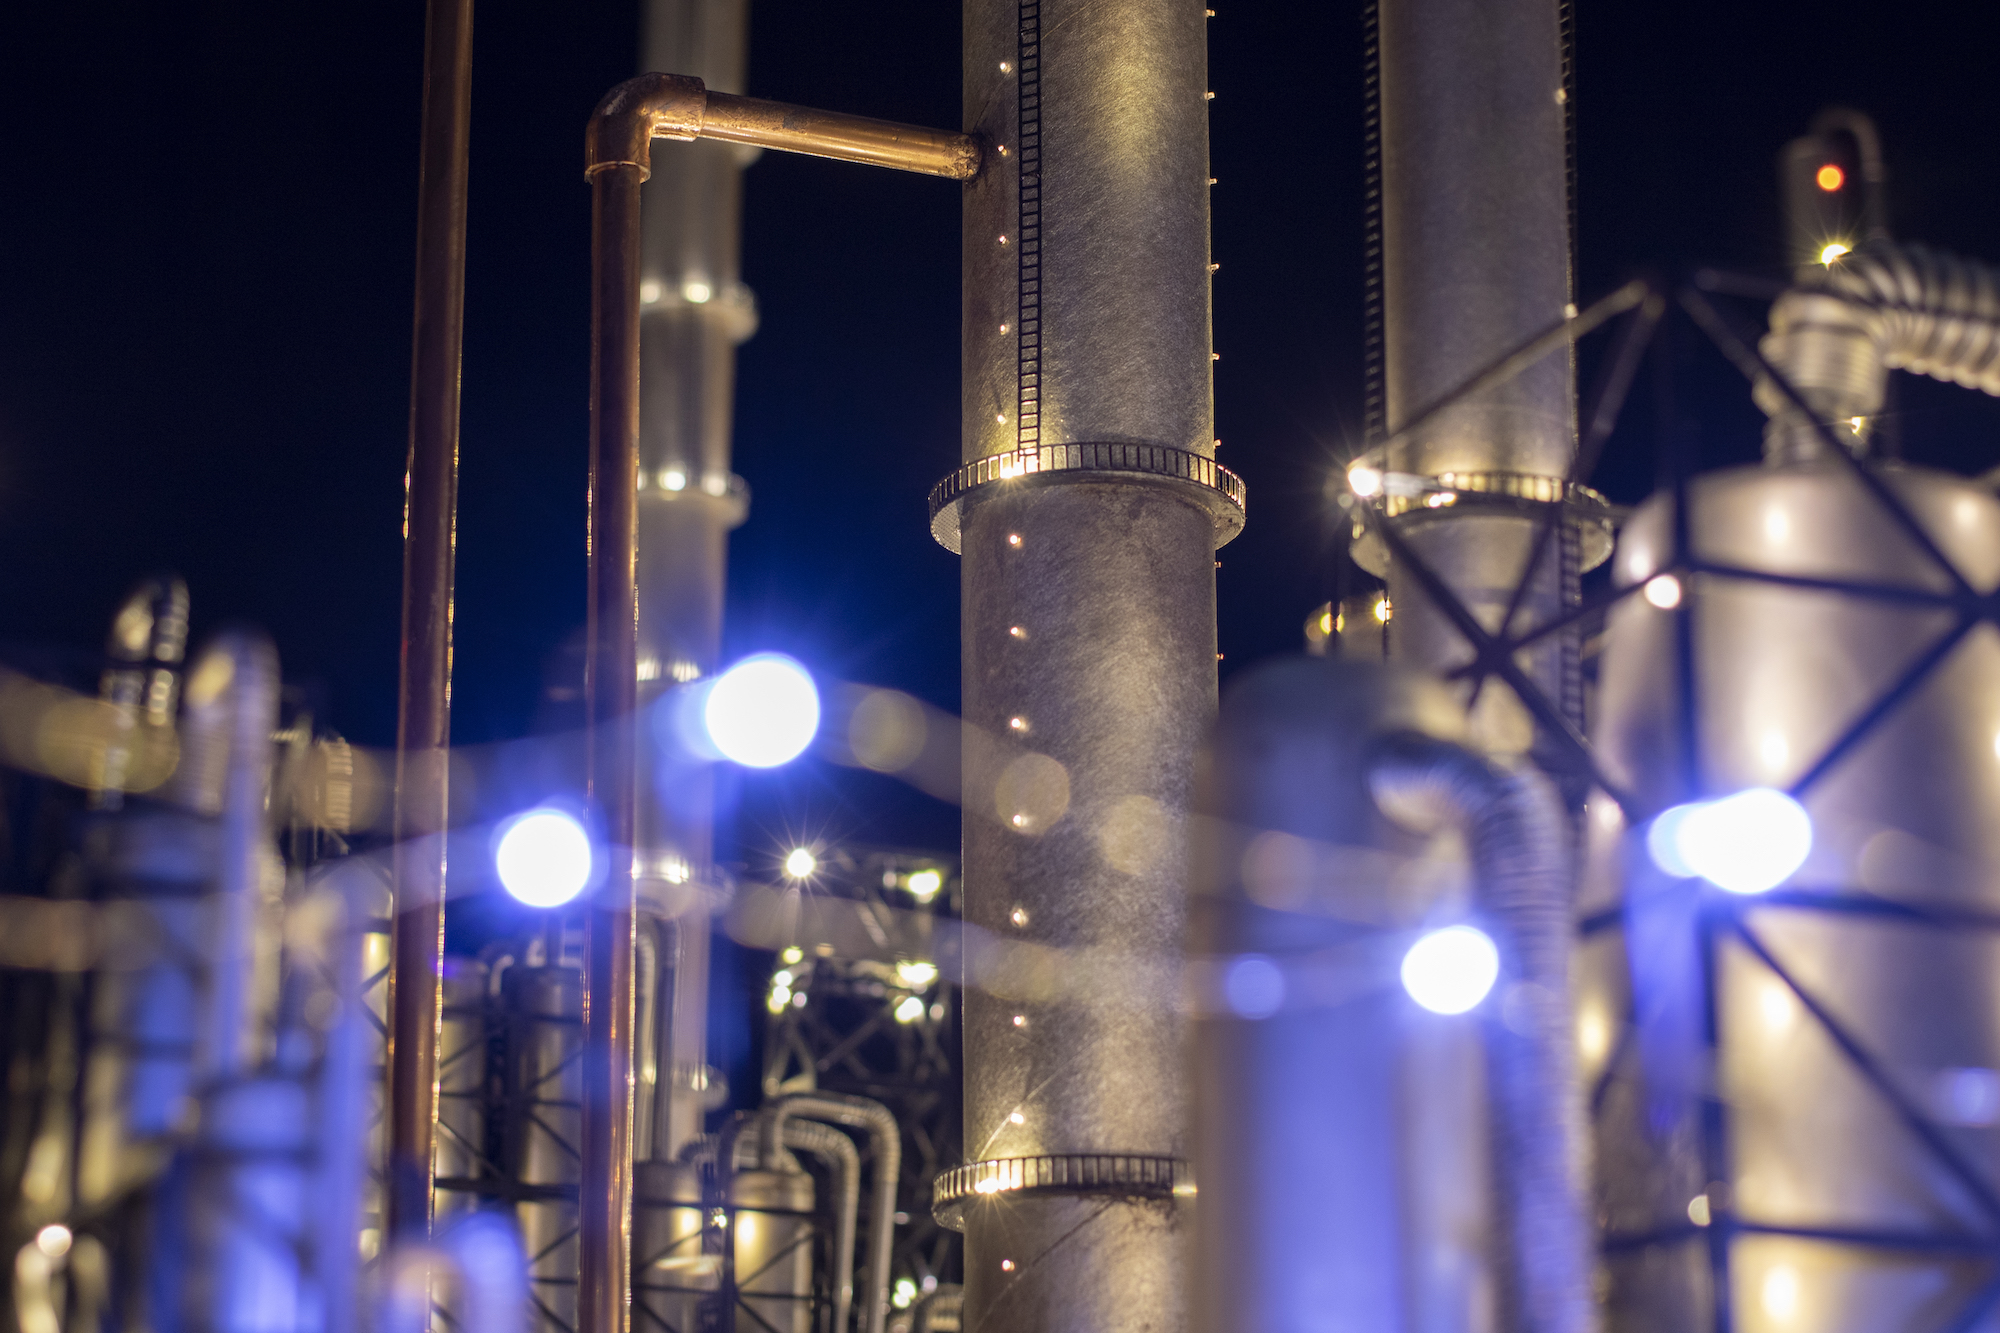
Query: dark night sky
[(206, 239)]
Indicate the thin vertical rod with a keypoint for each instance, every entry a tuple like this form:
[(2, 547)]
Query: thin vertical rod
[(430, 519), (611, 683)]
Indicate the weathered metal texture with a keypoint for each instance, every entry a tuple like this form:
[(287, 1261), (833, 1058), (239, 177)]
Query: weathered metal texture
[(430, 520), (694, 312), (1088, 637), (1905, 819), (1332, 1163), (1475, 260)]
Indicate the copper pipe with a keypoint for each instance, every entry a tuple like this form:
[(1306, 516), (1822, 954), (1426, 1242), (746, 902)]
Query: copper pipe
[(430, 512), (617, 160)]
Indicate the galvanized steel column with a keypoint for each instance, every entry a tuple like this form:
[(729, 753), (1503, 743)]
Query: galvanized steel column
[(1089, 648), (1475, 260), (694, 312)]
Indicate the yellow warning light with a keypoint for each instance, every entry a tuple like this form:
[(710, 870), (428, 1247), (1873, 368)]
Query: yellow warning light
[(1830, 178)]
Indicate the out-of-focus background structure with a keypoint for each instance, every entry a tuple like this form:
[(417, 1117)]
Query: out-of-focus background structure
[(1403, 738)]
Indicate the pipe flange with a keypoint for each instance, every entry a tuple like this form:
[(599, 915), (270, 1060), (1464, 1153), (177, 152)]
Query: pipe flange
[(1456, 492), (1124, 1175), (1213, 486)]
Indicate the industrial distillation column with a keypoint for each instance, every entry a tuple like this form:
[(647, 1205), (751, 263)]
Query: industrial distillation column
[(1475, 260), (1087, 513), (694, 311)]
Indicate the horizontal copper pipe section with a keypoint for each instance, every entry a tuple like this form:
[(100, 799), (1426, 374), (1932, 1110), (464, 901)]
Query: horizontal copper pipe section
[(617, 154), (671, 106), (881, 143)]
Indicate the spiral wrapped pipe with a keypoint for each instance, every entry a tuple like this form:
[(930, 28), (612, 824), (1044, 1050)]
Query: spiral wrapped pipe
[(1884, 307)]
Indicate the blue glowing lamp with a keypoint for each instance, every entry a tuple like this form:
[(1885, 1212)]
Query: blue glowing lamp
[(762, 712), (1749, 842), (1450, 971), (544, 857)]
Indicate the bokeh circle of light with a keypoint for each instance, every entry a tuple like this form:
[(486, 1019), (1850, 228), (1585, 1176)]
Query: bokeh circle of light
[(1450, 971), (763, 711), (1254, 986), (544, 857), (1749, 842), (800, 862), (1829, 178)]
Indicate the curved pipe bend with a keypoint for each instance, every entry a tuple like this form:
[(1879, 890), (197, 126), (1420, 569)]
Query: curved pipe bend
[(886, 1137), (1884, 307), (1518, 839), (674, 106)]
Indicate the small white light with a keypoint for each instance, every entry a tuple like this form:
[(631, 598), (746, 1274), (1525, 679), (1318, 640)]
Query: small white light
[(53, 1240), (1020, 1020), (798, 999), (1450, 971), (1017, 724), (904, 1295), (1364, 481), (924, 885), (1383, 611), (1834, 251), (1746, 843), (697, 293), (1698, 1210), (1017, 1119), (544, 857), (673, 479), (1006, 1265), (1013, 539), (909, 1009), (800, 862), (792, 954), (916, 975), (649, 293), (763, 711), (781, 996), (1019, 916), (1663, 591)]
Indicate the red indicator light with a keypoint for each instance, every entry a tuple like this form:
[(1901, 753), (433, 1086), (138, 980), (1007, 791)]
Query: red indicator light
[(1830, 178)]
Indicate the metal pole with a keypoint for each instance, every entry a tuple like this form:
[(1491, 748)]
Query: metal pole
[(423, 730), (617, 161), (611, 697)]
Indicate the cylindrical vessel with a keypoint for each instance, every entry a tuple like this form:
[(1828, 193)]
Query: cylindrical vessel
[(461, 1130), (1089, 643), (776, 1244), (544, 1126), (694, 311), (1790, 1163), (1327, 1155), (673, 1272), (1475, 260)]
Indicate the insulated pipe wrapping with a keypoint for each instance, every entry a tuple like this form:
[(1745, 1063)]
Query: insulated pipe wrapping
[(1884, 307), (1517, 838), (886, 1139)]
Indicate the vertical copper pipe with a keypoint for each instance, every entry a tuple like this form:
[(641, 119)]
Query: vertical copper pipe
[(611, 685), (430, 513)]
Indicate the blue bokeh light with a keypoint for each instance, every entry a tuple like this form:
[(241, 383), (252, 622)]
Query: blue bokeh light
[(544, 857), (1749, 842), (1450, 971), (762, 712)]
